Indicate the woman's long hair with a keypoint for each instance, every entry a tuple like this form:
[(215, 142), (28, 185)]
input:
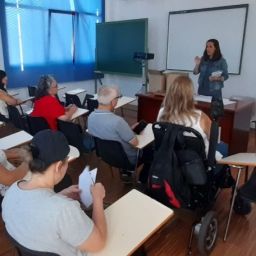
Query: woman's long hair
[(2, 85), (179, 102), (217, 54), (43, 86)]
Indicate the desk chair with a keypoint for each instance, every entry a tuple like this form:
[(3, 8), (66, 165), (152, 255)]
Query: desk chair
[(92, 104), (36, 124), (112, 153), (73, 99), (31, 91), (23, 251), (16, 118), (75, 136), (87, 96)]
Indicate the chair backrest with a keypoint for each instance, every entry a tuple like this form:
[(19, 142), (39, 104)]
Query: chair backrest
[(36, 124), (16, 118), (87, 96), (113, 153), (73, 99), (190, 139), (73, 133), (23, 251), (92, 104), (31, 91)]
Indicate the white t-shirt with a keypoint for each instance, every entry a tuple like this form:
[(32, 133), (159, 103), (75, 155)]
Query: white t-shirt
[(195, 124), (42, 220), (3, 108)]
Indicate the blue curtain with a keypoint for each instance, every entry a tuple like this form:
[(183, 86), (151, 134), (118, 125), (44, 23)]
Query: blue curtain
[(49, 37)]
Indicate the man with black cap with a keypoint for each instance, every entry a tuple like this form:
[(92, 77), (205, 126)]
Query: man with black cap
[(42, 220)]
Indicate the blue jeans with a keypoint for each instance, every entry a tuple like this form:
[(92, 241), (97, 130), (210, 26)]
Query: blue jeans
[(222, 148)]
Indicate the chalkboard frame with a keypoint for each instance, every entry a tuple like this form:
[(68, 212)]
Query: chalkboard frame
[(143, 46), (245, 6)]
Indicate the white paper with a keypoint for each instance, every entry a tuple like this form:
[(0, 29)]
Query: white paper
[(217, 73), (86, 179)]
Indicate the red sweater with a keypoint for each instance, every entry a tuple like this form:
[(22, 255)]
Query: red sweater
[(49, 108)]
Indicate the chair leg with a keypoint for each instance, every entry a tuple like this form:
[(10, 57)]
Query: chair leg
[(246, 174), (112, 172)]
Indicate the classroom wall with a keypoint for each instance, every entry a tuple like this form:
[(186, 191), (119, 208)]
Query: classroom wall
[(157, 13)]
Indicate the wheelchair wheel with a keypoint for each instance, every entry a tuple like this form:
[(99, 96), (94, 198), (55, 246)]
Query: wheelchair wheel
[(208, 233), (242, 206)]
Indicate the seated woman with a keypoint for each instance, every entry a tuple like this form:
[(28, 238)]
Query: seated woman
[(5, 98), (8, 172), (48, 106), (179, 108), (42, 220)]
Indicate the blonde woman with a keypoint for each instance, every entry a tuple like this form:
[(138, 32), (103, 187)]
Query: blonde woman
[(179, 108)]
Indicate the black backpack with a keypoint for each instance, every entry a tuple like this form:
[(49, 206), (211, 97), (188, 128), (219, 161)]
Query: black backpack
[(166, 180)]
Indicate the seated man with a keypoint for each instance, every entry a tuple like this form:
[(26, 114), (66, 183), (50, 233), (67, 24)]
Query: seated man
[(105, 124)]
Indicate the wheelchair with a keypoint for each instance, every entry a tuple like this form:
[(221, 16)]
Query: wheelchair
[(201, 177)]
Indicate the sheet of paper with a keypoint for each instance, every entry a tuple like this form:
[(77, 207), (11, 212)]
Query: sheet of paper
[(86, 179)]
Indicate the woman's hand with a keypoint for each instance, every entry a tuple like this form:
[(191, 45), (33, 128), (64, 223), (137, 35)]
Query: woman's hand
[(98, 192), (216, 78), (197, 60), (71, 192)]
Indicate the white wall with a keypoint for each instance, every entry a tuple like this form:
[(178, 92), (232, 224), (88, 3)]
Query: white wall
[(157, 13)]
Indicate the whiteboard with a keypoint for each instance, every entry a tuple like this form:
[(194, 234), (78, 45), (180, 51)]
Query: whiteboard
[(189, 30)]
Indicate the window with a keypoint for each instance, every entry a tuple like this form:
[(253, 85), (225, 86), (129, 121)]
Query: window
[(45, 36)]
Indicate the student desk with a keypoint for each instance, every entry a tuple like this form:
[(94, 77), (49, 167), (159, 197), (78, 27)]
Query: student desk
[(15, 139), (122, 101), (76, 91), (131, 220), (79, 112), (235, 124), (73, 153), (145, 137), (239, 161)]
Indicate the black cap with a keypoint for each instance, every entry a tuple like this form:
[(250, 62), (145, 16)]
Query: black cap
[(49, 146)]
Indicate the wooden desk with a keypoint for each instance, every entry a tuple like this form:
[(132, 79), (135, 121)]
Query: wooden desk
[(131, 221), (235, 124), (239, 161)]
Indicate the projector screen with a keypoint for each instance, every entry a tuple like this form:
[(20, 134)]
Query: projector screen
[(188, 31)]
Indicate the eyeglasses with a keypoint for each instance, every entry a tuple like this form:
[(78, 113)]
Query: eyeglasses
[(118, 97)]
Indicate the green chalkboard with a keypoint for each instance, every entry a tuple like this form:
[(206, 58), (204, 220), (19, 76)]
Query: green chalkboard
[(116, 43)]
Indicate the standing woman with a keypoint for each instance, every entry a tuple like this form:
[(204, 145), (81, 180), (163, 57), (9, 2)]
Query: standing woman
[(5, 98), (213, 70)]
